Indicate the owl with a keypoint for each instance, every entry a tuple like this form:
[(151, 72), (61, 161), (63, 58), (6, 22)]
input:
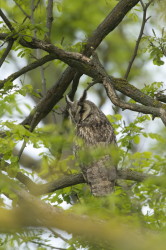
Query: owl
[(95, 130)]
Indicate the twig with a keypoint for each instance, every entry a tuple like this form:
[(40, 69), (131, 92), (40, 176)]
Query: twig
[(27, 68), (21, 150), (61, 237), (43, 80), (6, 52), (144, 20), (90, 85), (45, 245), (33, 10), (49, 19), (74, 87), (32, 16), (23, 11), (5, 19), (31, 128), (57, 234)]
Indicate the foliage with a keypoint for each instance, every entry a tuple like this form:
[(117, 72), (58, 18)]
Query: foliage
[(44, 154)]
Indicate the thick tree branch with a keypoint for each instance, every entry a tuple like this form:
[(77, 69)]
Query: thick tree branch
[(74, 87), (109, 23), (53, 96), (67, 181), (160, 96), (94, 69), (36, 213)]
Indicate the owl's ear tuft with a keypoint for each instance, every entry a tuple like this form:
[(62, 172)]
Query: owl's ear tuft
[(83, 97), (68, 101)]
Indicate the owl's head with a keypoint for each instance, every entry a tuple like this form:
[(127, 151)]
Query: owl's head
[(80, 110)]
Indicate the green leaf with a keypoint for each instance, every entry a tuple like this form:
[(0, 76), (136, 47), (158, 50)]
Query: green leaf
[(59, 7), (28, 38), (136, 139), (158, 62)]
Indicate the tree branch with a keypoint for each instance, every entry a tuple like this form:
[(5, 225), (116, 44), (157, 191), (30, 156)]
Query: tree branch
[(22, 10), (52, 97), (6, 52), (74, 87), (93, 68), (27, 68), (36, 213), (49, 19), (123, 86), (57, 91), (160, 96), (155, 111), (75, 179), (5, 19), (125, 105), (109, 24), (144, 20)]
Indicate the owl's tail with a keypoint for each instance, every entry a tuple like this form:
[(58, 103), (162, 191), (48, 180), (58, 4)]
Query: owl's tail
[(101, 179)]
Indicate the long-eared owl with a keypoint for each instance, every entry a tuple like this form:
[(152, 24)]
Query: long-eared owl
[(93, 127)]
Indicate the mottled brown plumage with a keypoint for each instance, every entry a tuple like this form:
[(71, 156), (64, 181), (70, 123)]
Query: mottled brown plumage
[(96, 131)]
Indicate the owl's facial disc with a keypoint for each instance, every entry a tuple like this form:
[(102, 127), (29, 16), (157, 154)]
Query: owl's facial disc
[(86, 110)]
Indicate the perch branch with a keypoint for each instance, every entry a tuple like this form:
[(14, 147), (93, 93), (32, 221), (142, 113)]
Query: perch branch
[(71, 180), (75, 179)]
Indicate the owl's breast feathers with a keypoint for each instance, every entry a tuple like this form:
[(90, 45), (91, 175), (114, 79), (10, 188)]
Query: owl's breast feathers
[(96, 133), (100, 174)]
